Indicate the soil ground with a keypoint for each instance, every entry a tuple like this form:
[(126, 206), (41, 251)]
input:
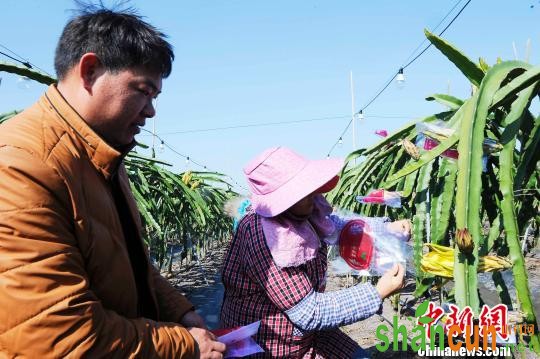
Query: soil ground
[(201, 283)]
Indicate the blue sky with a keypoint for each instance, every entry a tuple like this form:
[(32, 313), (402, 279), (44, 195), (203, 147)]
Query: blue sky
[(257, 62)]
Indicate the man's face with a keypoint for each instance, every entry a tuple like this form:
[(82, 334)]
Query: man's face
[(122, 101)]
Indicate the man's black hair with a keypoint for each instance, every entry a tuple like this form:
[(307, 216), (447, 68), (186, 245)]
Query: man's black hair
[(120, 39)]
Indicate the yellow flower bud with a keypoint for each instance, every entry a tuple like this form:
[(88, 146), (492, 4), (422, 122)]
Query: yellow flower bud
[(464, 241)]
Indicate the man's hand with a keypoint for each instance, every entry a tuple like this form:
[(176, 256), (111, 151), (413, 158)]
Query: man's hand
[(391, 281), (192, 319), (209, 347)]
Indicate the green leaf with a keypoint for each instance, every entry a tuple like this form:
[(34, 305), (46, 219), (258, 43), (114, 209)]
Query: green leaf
[(483, 64), (148, 159), (425, 158), (515, 117), (8, 115), (424, 286), (527, 162), (428, 156), (405, 131), (471, 70), (452, 102), (509, 91), (141, 145), (26, 72), (509, 217), (469, 181), (442, 199), (419, 219)]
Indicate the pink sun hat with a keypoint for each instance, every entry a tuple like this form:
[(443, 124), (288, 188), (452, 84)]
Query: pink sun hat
[(279, 177)]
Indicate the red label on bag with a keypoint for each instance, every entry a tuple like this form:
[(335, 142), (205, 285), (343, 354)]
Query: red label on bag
[(430, 144), (355, 245)]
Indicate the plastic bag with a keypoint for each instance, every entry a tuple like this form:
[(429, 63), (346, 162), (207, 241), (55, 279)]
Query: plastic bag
[(381, 196), (365, 252), (431, 134), (434, 129), (382, 133), (388, 250), (428, 143)]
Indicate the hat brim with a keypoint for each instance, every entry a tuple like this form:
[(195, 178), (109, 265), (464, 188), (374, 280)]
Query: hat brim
[(328, 186), (312, 177)]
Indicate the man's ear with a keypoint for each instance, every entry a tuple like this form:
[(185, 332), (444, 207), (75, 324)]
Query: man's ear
[(89, 70)]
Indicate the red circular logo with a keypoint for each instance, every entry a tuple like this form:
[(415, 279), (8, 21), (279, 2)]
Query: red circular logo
[(355, 245)]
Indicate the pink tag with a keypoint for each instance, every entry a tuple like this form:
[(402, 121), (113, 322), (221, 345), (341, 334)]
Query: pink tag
[(238, 340)]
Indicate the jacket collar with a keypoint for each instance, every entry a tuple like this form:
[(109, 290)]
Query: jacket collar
[(103, 156)]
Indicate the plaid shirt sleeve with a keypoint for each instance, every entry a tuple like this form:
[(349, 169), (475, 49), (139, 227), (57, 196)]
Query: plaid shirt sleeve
[(320, 311)]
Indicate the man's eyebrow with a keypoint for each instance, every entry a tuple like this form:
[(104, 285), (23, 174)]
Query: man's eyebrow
[(153, 86)]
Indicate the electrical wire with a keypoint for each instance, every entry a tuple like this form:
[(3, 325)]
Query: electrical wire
[(394, 75), (434, 29), (442, 32), (25, 63), (189, 158), (23, 60), (271, 124), (253, 125)]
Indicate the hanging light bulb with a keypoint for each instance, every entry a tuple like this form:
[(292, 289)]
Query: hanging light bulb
[(400, 78), (360, 115), (187, 161), (340, 141), (162, 146)]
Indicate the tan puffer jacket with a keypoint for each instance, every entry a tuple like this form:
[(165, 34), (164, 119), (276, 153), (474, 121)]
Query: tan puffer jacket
[(66, 284)]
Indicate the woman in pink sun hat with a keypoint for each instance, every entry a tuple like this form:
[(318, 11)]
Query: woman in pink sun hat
[(275, 267)]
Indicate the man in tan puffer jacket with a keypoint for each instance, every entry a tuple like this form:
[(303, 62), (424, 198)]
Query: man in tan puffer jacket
[(75, 278)]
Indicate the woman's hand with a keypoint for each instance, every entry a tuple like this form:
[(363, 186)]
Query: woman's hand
[(391, 281), (403, 226)]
